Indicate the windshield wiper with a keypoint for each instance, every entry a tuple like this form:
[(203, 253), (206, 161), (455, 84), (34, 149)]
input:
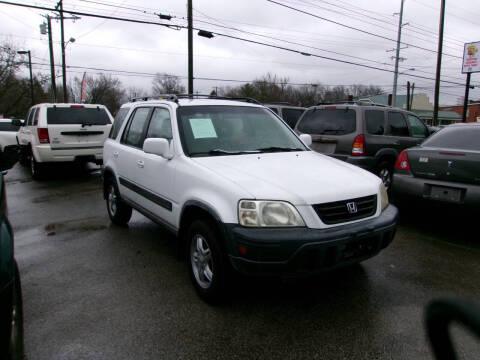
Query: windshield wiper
[(224, 152), (333, 131), (278, 149)]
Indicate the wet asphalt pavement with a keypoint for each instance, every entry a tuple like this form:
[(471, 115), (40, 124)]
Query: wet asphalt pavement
[(92, 290)]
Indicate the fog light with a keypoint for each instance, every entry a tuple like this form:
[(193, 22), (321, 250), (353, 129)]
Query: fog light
[(242, 250)]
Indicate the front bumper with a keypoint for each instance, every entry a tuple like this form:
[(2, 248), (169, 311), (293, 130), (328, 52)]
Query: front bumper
[(297, 251)]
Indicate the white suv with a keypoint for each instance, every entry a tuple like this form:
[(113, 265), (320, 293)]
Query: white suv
[(8, 142), (241, 190), (63, 133)]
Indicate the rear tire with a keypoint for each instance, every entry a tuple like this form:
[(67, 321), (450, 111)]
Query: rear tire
[(36, 168), (206, 262), (118, 211)]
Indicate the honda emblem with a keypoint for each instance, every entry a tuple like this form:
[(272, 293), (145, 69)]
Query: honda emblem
[(352, 207)]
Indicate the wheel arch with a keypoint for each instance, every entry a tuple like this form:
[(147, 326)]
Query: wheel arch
[(107, 173)]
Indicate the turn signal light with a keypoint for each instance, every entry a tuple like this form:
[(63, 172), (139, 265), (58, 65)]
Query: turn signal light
[(402, 161), (43, 137), (358, 148)]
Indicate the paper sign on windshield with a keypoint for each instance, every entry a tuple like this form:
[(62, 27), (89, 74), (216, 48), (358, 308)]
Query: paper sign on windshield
[(202, 128)]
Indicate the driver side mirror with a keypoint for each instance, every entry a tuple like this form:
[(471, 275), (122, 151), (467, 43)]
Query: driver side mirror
[(306, 139), (18, 122), (158, 146)]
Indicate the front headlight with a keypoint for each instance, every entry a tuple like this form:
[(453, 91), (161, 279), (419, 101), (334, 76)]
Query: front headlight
[(254, 213), (384, 195)]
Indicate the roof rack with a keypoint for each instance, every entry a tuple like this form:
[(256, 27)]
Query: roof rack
[(175, 97), (360, 103), (280, 103)]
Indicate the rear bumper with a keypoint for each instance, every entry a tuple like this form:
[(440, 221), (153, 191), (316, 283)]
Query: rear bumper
[(304, 251), (45, 153), (365, 162), (406, 186)]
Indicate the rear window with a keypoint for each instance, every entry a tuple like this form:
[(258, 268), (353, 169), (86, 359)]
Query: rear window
[(465, 138), (7, 126), (328, 121), (73, 115), (291, 116)]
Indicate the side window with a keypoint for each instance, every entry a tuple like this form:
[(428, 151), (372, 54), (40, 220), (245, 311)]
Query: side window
[(416, 127), (117, 124), (274, 110), (396, 124), (375, 122), (133, 135), (35, 117), (160, 125), (291, 116), (30, 116)]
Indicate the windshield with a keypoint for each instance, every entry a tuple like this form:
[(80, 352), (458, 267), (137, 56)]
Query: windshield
[(228, 130), (328, 121), (458, 137)]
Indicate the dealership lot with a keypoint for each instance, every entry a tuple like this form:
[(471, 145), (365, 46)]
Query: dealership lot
[(96, 291)]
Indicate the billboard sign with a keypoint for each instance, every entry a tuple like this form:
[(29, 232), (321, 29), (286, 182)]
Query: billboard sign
[(471, 58)]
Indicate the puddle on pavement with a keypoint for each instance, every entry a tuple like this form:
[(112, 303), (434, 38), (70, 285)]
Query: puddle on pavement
[(74, 226)]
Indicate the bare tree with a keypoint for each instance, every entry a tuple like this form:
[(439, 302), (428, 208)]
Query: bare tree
[(167, 84)]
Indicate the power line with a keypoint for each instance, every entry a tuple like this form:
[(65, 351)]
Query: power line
[(357, 29)]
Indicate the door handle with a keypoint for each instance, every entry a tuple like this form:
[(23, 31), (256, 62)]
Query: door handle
[(140, 163), (115, 154)]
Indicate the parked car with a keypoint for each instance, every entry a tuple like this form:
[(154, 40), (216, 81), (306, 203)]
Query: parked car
[(63, 133), (288, 112), (8, 142), (241, 191), (445, 168), (367, 135), (11, 310)]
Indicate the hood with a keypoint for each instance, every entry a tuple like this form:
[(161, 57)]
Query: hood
[(301, 178)]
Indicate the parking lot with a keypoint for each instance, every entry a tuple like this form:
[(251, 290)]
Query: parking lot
[(92, 290)]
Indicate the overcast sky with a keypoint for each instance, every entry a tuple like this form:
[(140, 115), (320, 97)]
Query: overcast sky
[(148, 49)]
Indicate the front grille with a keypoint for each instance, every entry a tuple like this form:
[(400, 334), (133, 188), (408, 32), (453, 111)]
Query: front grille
[(337, 212)]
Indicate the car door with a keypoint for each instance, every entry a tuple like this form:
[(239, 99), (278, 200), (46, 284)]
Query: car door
[(397, 130), (129, 156), (157, 173)]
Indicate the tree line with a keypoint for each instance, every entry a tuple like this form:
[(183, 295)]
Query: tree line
[(108, 90)]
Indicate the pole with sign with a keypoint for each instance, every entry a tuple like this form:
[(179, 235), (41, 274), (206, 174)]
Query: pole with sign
[(470, 64)]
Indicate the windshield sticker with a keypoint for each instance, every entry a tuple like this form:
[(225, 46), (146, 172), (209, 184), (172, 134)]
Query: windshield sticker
[(202, 128)]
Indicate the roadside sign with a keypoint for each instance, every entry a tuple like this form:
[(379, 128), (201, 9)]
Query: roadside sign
[(471, 58)]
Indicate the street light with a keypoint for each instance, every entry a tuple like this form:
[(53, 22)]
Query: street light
[(23, 52), (71, 40)]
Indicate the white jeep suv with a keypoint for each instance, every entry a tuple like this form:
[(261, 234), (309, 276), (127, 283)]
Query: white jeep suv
[(241, 190), (63, 133)]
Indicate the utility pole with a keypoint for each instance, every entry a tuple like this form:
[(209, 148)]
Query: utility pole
[(395, 76), (62, 41), (408, 95), (439, 62), (465, 101), (52, 64), (27, 52), (190, 47)]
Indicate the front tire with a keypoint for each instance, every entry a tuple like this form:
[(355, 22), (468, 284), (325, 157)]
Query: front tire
[(385, 173), (119, 212), (206, 262)]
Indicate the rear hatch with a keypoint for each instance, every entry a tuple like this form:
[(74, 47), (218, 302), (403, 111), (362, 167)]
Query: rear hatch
[(445, 164), (77, 126), (327, 126)]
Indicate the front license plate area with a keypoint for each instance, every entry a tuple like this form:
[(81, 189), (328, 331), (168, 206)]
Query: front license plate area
[(444, 193)]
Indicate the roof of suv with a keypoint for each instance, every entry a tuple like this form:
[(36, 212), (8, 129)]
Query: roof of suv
[(193, 100)]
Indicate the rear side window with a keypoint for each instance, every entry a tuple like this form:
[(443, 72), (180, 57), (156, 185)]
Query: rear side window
[(328, 121), (396, 124), (8, 126), (30, 117), (464, 138), (117, 124), (77, 115), (133, 135), (416, 126), (35, 117), (274, 110), (375, 122), (291, 116)]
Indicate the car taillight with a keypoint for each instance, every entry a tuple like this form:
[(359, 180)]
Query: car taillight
[(358, 148), (402, 161), (43, 137)]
